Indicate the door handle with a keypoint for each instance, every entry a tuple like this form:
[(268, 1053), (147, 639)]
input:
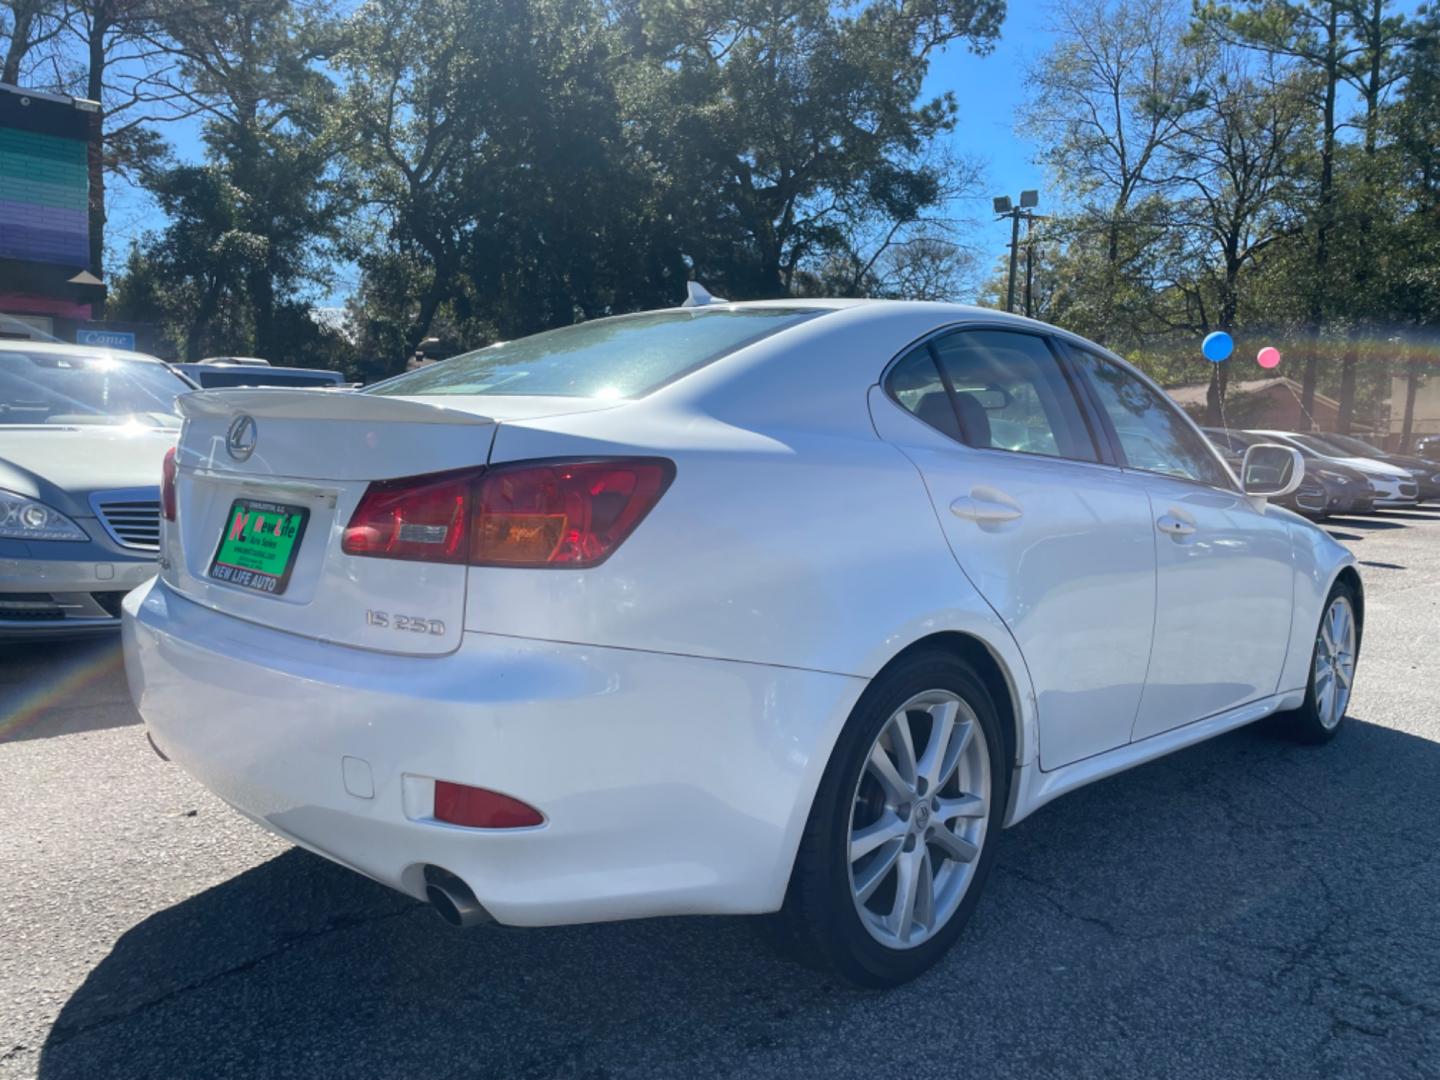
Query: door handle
[(989, 508), (1174, 526)]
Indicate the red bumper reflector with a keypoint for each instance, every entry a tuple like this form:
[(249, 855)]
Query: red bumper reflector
[(479, 808)]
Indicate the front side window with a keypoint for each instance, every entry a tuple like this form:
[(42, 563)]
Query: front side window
[(1154, 434), (994, 389), (623, 357), (40, 387)]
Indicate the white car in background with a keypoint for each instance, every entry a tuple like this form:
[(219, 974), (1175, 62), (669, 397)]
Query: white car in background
[(1393, 486), (82, 435), (766, 607)]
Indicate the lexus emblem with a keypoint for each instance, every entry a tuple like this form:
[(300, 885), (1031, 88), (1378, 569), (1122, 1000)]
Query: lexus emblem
[(240, 439)]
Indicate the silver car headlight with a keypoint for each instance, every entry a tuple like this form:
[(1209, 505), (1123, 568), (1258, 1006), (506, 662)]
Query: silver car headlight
[(26, 519)]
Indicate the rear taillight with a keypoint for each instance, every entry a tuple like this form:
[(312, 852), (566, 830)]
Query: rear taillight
[(422, 518), (528, 514), (480, 808), (571, 513), (167, 485)]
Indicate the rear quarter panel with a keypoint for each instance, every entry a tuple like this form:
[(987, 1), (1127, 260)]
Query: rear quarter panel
[(792, 535), (802, 549)]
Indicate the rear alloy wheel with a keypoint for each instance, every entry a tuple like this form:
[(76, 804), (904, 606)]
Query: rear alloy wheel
[(1332, 671), (918, 819), (896, 847)]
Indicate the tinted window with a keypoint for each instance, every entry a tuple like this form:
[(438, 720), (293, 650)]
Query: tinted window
[(1154, 434), (915, 383), (78, 388), (608, 358), (258, 376), (1010, 394)]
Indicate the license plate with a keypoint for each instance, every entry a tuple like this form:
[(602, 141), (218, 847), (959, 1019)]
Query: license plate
[(258, 548)]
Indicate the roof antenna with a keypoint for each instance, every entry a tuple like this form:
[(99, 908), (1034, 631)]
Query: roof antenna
[(698, 296)]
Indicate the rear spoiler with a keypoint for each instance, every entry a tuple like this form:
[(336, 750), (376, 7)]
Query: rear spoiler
[(284, 404)]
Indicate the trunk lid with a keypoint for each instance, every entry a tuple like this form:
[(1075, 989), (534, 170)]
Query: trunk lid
[(286, 468)]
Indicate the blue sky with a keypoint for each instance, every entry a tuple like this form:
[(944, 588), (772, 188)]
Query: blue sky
[(989, 90)]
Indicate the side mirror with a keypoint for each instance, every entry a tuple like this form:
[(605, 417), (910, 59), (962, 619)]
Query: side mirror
[(1270, 471)]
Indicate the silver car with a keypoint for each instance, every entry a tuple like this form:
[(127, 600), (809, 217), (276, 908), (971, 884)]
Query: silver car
[(83, 434)]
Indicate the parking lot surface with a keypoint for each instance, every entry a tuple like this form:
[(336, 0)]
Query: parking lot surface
[(1244, 908)]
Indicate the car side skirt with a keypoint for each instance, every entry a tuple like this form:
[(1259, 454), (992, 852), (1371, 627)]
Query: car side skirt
[(1033, 787)]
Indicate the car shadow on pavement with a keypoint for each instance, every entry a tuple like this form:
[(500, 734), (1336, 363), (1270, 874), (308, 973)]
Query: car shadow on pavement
[(1261, 907), (1418, 513), (1369, 524), (62, 687)]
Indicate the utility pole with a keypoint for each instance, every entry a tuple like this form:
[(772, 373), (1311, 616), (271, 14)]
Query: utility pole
[(1030, 220), (1029, 266), (1014, 250), (1004, 208)]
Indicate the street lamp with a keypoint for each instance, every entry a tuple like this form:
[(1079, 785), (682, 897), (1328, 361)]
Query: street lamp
[(1029, 199)]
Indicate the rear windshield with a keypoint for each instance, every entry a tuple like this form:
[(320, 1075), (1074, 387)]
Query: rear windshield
[(623, 357), (249, 375)]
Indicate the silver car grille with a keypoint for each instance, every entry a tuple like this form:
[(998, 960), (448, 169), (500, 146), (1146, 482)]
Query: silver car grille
[(132, 518)]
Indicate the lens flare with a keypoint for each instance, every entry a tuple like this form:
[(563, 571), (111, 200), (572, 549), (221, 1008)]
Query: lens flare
[(58, 688)]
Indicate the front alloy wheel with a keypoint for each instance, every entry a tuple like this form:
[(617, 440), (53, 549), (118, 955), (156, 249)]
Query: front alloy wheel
[(1332, 671), (1334, 668)]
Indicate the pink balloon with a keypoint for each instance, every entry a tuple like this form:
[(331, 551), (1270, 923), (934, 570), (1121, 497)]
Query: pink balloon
[(1268, 357)]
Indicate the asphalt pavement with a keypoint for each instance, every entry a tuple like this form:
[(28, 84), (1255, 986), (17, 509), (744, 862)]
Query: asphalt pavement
[(1244, 908)]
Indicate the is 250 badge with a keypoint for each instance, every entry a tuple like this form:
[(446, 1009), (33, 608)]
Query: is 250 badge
[(413, 623)]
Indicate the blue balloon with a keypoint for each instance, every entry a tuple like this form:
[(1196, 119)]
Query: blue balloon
[(1217, 346)]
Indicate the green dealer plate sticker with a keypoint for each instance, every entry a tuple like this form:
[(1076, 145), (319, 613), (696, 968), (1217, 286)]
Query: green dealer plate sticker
[(258, 548)]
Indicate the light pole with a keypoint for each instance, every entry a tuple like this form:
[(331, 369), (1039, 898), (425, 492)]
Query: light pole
[(1003, 209)]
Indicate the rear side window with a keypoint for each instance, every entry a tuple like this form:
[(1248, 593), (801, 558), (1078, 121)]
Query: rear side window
[(994, 389), (916, 384), (1154, 435), (624, 357)]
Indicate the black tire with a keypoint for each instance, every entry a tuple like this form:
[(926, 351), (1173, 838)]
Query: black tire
[(819, 923), (1307, 724)]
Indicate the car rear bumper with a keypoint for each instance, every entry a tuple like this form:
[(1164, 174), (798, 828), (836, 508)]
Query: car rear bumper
[(669, 784)]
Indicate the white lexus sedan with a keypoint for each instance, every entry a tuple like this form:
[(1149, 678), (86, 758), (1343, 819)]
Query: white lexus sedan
[(776, 607)]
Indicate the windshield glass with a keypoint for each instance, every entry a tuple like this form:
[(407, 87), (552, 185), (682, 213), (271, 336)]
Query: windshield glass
[(1353, 445), (623, 357), (1320, 446), (79, 388)]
